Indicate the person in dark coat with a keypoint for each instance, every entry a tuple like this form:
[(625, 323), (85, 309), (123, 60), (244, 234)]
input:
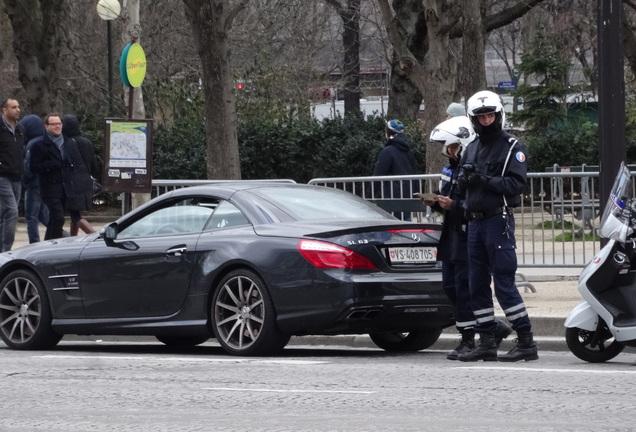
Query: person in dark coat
[(11, 154), (34, 209), (396, 158), (52, 158), (83, 176)]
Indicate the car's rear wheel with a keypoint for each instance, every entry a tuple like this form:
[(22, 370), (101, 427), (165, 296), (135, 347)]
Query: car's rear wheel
[(415, 340), (243, 316), (182, 342), (25, 313)]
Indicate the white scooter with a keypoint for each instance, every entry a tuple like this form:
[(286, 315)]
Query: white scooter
[(600, 327)]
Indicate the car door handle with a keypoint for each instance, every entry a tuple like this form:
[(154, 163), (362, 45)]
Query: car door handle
[(177, 251)]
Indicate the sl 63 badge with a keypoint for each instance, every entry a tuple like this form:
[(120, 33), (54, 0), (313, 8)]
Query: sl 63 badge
[(353, 242)]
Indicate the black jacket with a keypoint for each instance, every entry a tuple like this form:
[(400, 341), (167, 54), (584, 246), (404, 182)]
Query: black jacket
[(396, 158), (488, 155), (56, 173), (84, 162), (11, 151), (453, 241)]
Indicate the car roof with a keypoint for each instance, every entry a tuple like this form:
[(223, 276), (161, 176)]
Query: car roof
[(228, 188)]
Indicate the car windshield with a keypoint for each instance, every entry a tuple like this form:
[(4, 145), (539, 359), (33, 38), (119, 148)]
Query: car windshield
[(321, 203)]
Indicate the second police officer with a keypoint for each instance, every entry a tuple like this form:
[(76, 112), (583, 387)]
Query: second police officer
[(494, 172)]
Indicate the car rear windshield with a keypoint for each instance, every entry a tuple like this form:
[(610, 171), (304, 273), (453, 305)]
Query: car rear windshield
[(321, 203)]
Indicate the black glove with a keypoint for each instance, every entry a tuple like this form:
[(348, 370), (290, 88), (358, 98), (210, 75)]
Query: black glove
[(476, 179)]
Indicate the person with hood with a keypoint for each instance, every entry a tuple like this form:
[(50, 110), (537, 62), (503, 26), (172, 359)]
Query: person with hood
[(86, 167), (396, 158), (34, 209)]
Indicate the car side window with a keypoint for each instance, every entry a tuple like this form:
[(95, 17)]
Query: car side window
[(226, 215), (185, 216)]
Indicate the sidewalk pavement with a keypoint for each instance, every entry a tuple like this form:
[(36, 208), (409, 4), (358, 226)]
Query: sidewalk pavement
[(552, 293)]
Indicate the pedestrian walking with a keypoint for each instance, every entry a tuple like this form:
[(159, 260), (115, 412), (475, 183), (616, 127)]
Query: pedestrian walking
[(51, 160), (493, 177), (85, 167), (11, 154), (35, 211)]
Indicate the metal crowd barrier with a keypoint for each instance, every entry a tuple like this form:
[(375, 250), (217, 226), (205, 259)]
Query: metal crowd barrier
[(556, 222)]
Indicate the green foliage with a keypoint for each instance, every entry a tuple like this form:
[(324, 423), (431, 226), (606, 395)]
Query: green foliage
[(179, 130), (179, 151), (549, 224), (544, 104), (273, 142), (570, 236), (302, 149), (574, 143)]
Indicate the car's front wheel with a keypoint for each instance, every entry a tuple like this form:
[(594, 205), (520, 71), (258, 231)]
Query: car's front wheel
[(415, 340), (25, 314), (243, 316)]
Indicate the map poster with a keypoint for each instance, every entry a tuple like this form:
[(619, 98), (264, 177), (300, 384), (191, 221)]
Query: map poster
[(128, 156)]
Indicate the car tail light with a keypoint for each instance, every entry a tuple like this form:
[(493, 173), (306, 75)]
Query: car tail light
[(328, 255)]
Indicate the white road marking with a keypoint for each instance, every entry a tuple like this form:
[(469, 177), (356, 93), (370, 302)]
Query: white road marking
[(288, 390), (578, 371), (186, 359)]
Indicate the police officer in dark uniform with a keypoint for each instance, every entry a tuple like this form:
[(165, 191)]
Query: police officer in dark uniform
[(494, 177), (454, 135)]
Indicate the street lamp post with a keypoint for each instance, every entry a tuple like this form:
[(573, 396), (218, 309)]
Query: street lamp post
[(108, 10)]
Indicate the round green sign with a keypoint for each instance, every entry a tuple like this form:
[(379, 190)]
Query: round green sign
[(122, 66), (136, 65)]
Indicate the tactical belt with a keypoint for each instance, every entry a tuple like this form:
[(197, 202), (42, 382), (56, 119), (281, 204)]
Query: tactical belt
[(473, 216)]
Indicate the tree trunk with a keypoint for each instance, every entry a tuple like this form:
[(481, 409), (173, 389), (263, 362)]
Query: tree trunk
[(351, 42), (473, 71), (211, 21), (36, 44), (404, 97), (131, 34), (350, 16)]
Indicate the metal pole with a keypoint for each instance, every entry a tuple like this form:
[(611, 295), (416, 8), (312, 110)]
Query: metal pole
[(110, 68), (611, 93)]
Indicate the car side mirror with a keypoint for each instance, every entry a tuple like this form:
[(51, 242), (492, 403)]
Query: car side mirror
[(109, 234)]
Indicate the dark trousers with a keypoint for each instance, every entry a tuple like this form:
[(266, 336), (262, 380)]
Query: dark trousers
[(455, 282), (492, 257), (55, 228)]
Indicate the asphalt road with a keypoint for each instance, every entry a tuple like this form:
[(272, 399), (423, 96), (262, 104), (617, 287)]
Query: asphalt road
[(147, 387)]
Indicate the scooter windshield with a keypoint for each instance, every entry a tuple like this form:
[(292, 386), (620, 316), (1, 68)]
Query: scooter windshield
[(615, 221)]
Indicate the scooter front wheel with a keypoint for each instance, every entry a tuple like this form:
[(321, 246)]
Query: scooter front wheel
[(592, 346)]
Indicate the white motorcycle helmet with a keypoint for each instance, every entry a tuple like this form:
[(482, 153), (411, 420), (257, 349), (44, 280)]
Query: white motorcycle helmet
[(452, 131), (485, 102)]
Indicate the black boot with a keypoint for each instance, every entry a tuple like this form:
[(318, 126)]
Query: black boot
[(525, 349), (486, 351), (502, 332), (466, 344)]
